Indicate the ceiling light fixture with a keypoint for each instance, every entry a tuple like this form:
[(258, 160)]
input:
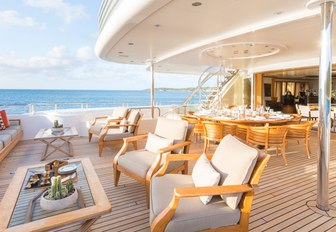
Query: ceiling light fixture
[(242, 50), (130, 43), (157, 25), (196, 4)]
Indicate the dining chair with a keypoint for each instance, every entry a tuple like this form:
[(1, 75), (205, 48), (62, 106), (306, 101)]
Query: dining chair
[(215, 131), (198, 126), (241, 131), (299, 132), (177, 201), (268, 136)]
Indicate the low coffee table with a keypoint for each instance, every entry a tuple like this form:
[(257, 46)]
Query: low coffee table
[(15, 209), (49, 138)]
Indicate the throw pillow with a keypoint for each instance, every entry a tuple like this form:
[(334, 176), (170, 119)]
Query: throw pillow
[(203, 175), (2, 124), (123, 129), (155, 143), (133, 119), (4, 118), (235, 161)]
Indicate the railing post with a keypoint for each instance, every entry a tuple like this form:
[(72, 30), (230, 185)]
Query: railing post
[(31, 108)]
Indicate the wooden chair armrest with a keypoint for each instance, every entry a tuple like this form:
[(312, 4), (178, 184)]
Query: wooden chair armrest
[(113, 120), (162, 220), (212, 190), (173, 147), (135, 138), (118, 125), (98, 118)]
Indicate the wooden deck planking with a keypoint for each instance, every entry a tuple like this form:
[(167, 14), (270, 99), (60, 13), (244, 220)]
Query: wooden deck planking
[(279, 205)]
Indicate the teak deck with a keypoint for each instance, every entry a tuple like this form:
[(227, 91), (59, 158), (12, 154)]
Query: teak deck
[(279, 203)]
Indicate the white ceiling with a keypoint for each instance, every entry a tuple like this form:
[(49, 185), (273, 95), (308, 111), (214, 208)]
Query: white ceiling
[(174, 33)]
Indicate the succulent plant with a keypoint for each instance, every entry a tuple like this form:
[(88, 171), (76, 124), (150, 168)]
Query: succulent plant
[(57, 125), (57, 191)]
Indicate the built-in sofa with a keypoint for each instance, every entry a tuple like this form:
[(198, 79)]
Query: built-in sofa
[(9, 137)]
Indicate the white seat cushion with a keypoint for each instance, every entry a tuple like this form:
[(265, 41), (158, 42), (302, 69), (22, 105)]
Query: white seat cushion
[(139, 162), (191, 214), (203, 175), (235, 162), (115, 134), (5, 139), (10, 132)]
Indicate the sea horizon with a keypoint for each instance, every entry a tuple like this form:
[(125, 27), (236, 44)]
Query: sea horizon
[(19, 101)]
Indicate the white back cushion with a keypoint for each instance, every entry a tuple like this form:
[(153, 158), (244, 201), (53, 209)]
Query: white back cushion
[(203, 175), (171, 128), (155, 143), (123, 129), (119, 113), (133, 119), (235, 162)]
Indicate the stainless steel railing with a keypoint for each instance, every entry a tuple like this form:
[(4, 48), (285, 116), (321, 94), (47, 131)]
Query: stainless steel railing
[(37, 107)]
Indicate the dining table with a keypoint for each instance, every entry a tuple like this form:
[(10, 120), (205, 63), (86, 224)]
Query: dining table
[(256, 120)]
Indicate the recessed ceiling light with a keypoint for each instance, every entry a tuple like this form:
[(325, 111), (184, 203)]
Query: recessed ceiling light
[(157, 25), (278, 13), (120, 52), (196, 3), (130, 43), (131, 61)]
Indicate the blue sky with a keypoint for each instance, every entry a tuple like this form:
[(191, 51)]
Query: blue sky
[(49, 44)]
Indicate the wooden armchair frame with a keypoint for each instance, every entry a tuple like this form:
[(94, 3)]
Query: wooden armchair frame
[(109, 122), (102, 143), (155, 166), (161, 221)]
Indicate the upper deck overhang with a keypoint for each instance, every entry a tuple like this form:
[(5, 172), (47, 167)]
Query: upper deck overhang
[(177, 34)]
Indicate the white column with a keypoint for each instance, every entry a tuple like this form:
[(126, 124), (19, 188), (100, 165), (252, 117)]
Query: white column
[(152, 87)]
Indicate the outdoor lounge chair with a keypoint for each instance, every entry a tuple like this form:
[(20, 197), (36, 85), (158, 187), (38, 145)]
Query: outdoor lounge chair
[(103, 121), (125, 129), (175, 199), (142, 164)]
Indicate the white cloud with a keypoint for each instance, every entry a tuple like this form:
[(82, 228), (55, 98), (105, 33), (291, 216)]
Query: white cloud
[(55, 58), (11, 18), (63, 9), (84, 53)]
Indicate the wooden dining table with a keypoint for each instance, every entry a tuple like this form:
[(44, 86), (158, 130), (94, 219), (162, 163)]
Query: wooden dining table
[(258, 120)]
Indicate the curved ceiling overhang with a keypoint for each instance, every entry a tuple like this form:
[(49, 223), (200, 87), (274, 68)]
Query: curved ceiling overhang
[(174, 33)]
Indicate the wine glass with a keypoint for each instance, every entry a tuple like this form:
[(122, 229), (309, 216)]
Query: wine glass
[(267, 108)]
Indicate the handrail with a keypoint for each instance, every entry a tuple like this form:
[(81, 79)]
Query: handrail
[(31, 108)]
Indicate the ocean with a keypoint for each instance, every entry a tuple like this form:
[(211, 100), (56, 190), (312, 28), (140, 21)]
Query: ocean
[(16, 101)]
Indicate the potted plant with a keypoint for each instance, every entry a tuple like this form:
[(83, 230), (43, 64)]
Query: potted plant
[(59, 196), (57, 127)]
